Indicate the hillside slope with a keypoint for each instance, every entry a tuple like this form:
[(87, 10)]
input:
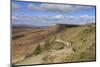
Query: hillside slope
[(62, 44)]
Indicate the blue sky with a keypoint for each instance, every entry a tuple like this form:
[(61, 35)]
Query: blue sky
[(43, 14)]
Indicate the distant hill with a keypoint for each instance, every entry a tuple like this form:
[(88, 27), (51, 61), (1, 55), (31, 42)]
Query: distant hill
[(26, 26)]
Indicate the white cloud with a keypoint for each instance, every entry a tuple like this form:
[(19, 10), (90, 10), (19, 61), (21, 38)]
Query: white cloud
[(87, 17), (34, 7), (15, 6), (58, 16), (30, 5), (14, 17), (51, 20), (58, 7), (84, 16)]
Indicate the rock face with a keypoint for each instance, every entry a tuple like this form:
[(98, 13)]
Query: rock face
[(54, 44), (68, 44)]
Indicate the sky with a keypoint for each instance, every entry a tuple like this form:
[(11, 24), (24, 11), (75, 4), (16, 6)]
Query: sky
[(46, 14)]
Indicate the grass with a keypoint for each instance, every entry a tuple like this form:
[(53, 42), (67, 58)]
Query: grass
[(38, 50)]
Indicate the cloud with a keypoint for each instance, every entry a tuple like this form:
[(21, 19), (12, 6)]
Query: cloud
[(51, 20), (57, 7), (58, 16), (15, 6), (87, 17), (31, 6), (14, 17)]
